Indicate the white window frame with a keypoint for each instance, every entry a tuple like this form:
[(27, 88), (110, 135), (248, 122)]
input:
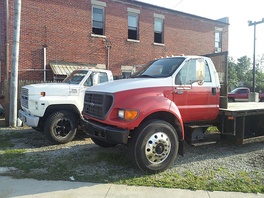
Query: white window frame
[(133, 12), (98, 5), (159, 17), (218, 39)]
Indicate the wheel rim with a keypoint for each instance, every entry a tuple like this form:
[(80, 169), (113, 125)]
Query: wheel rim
[(157, 148), (63, 128)]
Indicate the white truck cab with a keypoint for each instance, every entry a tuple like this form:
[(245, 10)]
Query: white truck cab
[(55, 108)]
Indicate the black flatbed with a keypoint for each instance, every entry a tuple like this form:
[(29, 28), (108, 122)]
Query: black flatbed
[(243, 122)]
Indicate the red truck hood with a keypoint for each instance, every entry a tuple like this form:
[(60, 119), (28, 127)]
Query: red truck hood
[(131, 83)]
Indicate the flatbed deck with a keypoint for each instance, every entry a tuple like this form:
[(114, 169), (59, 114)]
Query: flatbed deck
[(243, 108), (243, 121)]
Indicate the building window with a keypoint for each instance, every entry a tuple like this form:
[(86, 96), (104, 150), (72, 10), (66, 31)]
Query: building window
[(218, 40), (98, 20), (158, 30), (133, 26)]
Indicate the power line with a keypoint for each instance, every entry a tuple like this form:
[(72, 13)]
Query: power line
[(178, 4)]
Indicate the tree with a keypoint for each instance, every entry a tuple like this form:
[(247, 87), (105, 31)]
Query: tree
[(240, 73), (232, 74), (242, 68)]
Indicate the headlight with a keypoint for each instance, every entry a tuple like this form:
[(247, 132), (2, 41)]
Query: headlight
[(128, 114)]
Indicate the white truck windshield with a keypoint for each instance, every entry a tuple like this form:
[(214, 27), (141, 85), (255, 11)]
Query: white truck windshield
[(75, 77)]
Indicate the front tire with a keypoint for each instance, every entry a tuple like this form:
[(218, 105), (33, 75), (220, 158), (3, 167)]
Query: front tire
[(154, 146), (61, 127)]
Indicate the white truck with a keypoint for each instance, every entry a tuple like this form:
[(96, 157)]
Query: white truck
[(55, 108)]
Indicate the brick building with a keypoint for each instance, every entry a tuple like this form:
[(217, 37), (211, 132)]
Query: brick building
[(111, 34)]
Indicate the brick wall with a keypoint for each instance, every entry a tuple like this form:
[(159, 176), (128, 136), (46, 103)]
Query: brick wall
[(65, 27)]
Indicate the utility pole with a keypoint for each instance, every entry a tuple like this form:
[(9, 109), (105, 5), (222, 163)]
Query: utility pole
[(7, 41), (251, 23), (14, 69)]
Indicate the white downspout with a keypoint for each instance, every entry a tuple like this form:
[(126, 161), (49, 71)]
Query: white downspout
[(45, 62)]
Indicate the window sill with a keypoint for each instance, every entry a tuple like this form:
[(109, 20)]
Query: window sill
[(159, 44), (132, 40), (98, 36)]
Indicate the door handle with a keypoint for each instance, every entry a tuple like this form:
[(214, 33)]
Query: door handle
[(213, 91)]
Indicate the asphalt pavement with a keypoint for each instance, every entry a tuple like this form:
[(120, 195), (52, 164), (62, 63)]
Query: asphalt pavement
[(25, 188)]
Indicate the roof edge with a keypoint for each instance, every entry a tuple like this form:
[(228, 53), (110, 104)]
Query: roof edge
[(223, 21)]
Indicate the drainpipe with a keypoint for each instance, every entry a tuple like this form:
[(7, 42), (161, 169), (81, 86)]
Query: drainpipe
[(108, 57), (7, 41), (45, 62), (108, 45)]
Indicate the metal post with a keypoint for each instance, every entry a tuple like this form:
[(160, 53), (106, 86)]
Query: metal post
[(14, 69), (254, 61), (250, 23)]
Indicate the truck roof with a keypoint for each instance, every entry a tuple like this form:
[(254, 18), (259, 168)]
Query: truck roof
[(186, 56), (93, 69)]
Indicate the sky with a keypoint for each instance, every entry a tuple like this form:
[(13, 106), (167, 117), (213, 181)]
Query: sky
[(241, 35)]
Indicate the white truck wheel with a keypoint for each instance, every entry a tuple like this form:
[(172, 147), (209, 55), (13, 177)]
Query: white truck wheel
[(61, 127)]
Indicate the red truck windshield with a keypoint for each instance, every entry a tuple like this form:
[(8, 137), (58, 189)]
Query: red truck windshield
[(159, 68)]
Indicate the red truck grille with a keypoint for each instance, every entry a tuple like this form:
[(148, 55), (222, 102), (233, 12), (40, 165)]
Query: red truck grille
[(97, 105)]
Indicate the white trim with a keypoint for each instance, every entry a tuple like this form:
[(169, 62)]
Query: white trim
[(98, 3), (218, 29), (98, 36), (160, 16), (132, 40), (159, 44), (136, 11)]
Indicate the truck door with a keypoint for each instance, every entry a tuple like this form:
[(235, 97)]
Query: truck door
[(196, 98)]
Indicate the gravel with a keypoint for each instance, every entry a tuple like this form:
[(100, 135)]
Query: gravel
[(214, 156)]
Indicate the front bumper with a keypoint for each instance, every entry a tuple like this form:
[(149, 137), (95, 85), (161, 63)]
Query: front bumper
[(28, 119), (106, 133)]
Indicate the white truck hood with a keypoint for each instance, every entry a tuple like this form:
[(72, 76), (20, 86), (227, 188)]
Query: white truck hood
[(51, 89), (131, 83)]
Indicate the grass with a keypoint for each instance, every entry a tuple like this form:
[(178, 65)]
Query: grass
[(212, 129), (112, 165), (5, 139), (239, 182)]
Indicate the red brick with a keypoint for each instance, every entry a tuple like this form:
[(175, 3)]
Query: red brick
[(65, 27)]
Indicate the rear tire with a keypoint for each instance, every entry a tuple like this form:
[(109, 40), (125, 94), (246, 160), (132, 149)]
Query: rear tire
[(153, 146), (61, 127)]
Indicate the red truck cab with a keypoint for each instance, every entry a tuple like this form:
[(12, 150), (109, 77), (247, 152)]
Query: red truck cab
[(151, 110)]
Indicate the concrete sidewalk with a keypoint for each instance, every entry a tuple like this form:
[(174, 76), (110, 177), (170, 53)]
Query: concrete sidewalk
[(57, 189)]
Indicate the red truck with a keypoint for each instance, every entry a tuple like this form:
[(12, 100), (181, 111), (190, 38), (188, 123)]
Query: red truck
[(241, 94), (166, 102)]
